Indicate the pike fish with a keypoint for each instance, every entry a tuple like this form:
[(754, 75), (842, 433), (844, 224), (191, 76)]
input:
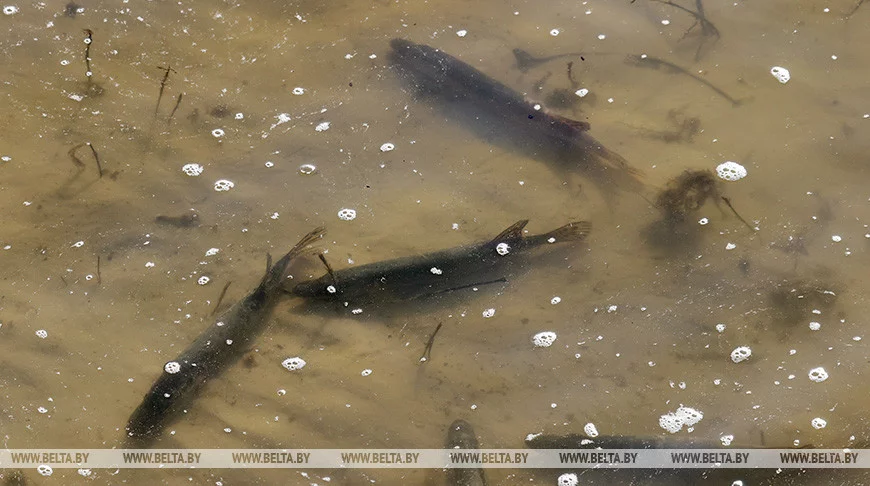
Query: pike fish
[(215, 350), (498, 113), (413, 277), (461, 435)]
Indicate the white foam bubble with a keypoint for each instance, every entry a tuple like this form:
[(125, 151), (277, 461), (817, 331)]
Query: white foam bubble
[(11, 10), (217, 133), (212, 251), (347, 214), (322, 127), (726, 439), (818, 375), (366, 372), (222, 185), (203, 280), (172, 367), (462, 33), (819, 423), (488, 313), (544, 339), (298, 91), (590, 430), (554, 32), (582, 92), (387, 147), (436, 271), (502, 249), (731, 171), (192, 169), (568, 479), (293, 364), (331, 289), (307, 169), (555, 300), (780, 73), (42, 333), (741, 353), (720, 327), (44, 469), (815, 326)]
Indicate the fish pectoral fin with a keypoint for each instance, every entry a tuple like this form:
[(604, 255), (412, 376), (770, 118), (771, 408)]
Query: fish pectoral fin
[(513, 232), (574, 231), (578, 125)]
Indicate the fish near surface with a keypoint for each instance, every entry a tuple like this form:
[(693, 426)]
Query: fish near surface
[(461, 435), (499, 114), (413, 277), (215, 350)]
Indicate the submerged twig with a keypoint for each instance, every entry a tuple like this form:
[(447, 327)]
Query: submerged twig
[(328, 267), (427, 351), (88, 41), (728, 202), (177, 103), (97, 158), (78, 162), (854, 9), (162, 86), (99, 276), (221, 297), (707, 27)]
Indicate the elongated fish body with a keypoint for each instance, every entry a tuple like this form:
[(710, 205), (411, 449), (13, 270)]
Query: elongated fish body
[(461, 435), (508, 115), (216, 349), (412, 277)]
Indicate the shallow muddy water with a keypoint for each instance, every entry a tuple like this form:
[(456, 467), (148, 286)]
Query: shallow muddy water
[(269, 86)]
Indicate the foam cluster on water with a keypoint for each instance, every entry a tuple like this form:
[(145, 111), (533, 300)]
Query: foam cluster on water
[(172, 367), (502, 249), (780, 73), (544, 339), (293, 364), (347, 214), (192, 169), (590, 430), (489, 313), (222, 185), (731, 171), (386, 147), (673, 422), (818, 375), (568, 479), (741, 353), (819, 423)]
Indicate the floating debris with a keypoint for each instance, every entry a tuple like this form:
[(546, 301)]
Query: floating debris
[(293, 364), (544, 339), (730, 171), (741, 353), (347, 214), (222, 185), (780, 73), (192, 170)]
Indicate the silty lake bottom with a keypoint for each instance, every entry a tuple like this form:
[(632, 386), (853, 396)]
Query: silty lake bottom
[(267, 87)]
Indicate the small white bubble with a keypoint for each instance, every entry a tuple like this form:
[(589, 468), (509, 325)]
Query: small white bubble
[(590, 430), (89, 277), (819, 423), (84, 472), (331, 289), (387, 147), (203, 280), (269, 164), (555, 300), (229, 342), (11, 10), (149, 264), (42, 333), (666, 22), (78, 244), (544, 339), (42, 410), (836, 238), (240, 116), (462, 33), (741, 353), (489, 313), (322, 127), (172, 367), (307, 169), (612, 308), (222, 185), (554, 32), (192, 170), (818, 375), (298, 91), (212, 251), (703, 221), (281, 391), (582, 92), (436, 271), (43, 469), (228, 430), (815, 326), (292, 364), (64, 62), (217, 133), (347, 214), (720, 327), (356, 311), (780, 73), (601, 36), (502, 249), (551, 240), (568, 479), (730, 246), (731, 171), (366, 372)]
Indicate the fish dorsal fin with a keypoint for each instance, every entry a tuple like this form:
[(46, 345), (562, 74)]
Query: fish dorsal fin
[(512, 233)]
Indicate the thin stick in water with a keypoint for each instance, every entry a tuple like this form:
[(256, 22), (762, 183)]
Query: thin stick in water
[(97, 158), (162, 86), (221, 298), (177, 104), (728, 202), (427, 351), (99, 277), (88, 41)]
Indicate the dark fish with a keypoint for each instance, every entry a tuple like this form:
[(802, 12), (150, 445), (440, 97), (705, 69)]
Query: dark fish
[(580, 441), (498, 113), (186, 220), (216, 349), (419, 276), (461, 435), (656, 63)]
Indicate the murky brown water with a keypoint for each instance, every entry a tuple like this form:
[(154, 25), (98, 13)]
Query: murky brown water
[(641, 319)]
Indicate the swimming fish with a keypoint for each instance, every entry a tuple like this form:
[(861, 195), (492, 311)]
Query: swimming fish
[(500, 114), (413, 277), (461, 435), (215, 350)]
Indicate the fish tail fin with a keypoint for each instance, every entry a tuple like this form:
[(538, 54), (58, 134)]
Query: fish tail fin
[(574, 231), (275, 274), (512, 232)]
